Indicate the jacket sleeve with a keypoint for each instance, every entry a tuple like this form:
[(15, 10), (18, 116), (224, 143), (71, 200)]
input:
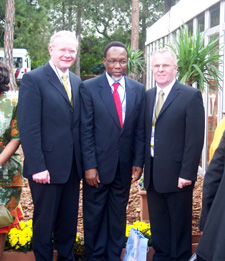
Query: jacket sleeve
[(87, 130), (29, 119), (139, 137), (194, 136), (212, 181)]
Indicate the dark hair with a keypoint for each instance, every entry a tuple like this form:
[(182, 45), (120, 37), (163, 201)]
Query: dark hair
[(4, 77), (112, 44)]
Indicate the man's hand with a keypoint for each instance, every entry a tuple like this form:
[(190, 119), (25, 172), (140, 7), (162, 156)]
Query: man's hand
[(183, 182), (136, 173), (42, 177), (91, 177)]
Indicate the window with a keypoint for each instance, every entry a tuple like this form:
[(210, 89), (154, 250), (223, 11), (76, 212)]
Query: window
[(17, 62), (214, 15), (190, 27), (201, 22)]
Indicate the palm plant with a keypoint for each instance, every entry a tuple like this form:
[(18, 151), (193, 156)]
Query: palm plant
[(135, 62), (196, 61)]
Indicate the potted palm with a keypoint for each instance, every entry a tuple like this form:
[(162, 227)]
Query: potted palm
[(198, 62)]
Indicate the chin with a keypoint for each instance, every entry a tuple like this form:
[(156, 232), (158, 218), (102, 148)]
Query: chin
[(117, 78)]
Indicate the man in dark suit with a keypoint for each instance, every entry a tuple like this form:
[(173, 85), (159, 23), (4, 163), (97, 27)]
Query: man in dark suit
[(112, 145), (212, 221), (49, 115), (174, 120)]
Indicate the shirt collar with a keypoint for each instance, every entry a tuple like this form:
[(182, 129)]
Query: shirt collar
[(58, 72), (166, 89)]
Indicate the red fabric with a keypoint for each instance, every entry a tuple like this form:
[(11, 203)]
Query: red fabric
[(18, 213), (118, 103)]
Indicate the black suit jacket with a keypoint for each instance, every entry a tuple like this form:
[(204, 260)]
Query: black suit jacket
[(49, 125), (212, 221), (179, 136), (103, 143)]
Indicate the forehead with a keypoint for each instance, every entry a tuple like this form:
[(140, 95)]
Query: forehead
[(116, 52), (164, 57), (62, 42)]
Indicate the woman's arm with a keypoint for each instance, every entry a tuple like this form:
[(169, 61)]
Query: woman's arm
[(9, 150)]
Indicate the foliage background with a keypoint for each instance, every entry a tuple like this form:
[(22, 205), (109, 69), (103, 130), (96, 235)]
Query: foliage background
[(98, 22)]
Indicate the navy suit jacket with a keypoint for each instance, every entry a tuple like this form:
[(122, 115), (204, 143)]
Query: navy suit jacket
[(179, 137), (104, 144), (49, 125)]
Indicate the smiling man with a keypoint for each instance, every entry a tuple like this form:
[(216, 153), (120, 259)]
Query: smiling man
[(112, 145), (49, 116), (174, 122)]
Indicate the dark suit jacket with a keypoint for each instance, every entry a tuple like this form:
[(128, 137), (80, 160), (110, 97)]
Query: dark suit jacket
[(48, 124), (179, 136), (212, 221), (103, 143)]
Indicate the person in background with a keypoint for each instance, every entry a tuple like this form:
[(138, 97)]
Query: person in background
[(49, 118), (11, 179), (217, 138), (112, 145), (174, 121), (212, 220)]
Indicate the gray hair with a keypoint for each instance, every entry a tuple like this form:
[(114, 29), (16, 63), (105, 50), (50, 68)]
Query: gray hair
[(166, 50), (63, 33)]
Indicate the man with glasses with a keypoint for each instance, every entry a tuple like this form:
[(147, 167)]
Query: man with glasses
[(174, 121), (112, 146), (49, 118)]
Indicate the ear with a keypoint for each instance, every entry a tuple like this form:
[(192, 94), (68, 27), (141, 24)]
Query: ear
[(104, 61), (50, 49)]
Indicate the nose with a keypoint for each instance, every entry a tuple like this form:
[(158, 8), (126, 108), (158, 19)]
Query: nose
[(161, 67), (67, 53), (117, 64)]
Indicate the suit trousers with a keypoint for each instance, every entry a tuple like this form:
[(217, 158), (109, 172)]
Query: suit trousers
[(55, 211), (171, 224), (105, 219)]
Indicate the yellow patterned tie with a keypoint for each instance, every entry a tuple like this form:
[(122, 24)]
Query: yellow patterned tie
[(66, 86), (158, 106)]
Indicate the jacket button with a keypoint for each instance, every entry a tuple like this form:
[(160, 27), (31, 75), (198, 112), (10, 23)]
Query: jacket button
[(71, 110), (117, 152)]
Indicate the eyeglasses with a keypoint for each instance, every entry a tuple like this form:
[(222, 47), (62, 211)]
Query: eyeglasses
[(113, 62), (164, 66)]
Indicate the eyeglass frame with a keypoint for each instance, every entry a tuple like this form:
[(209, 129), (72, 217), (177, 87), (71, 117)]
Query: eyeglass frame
[(113, 63)]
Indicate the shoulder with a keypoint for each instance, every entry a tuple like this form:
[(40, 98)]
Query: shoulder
[(37, 72), (150, 92), (132, 82), (74, 77), (12, 97), (186, 88), (94, 80)]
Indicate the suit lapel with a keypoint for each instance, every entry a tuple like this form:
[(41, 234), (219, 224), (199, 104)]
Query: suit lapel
[(75, 92), (107, 98), (54, 80), (172, 95)]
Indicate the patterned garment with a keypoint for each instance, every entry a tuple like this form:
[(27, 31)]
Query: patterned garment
[(11, 173)]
